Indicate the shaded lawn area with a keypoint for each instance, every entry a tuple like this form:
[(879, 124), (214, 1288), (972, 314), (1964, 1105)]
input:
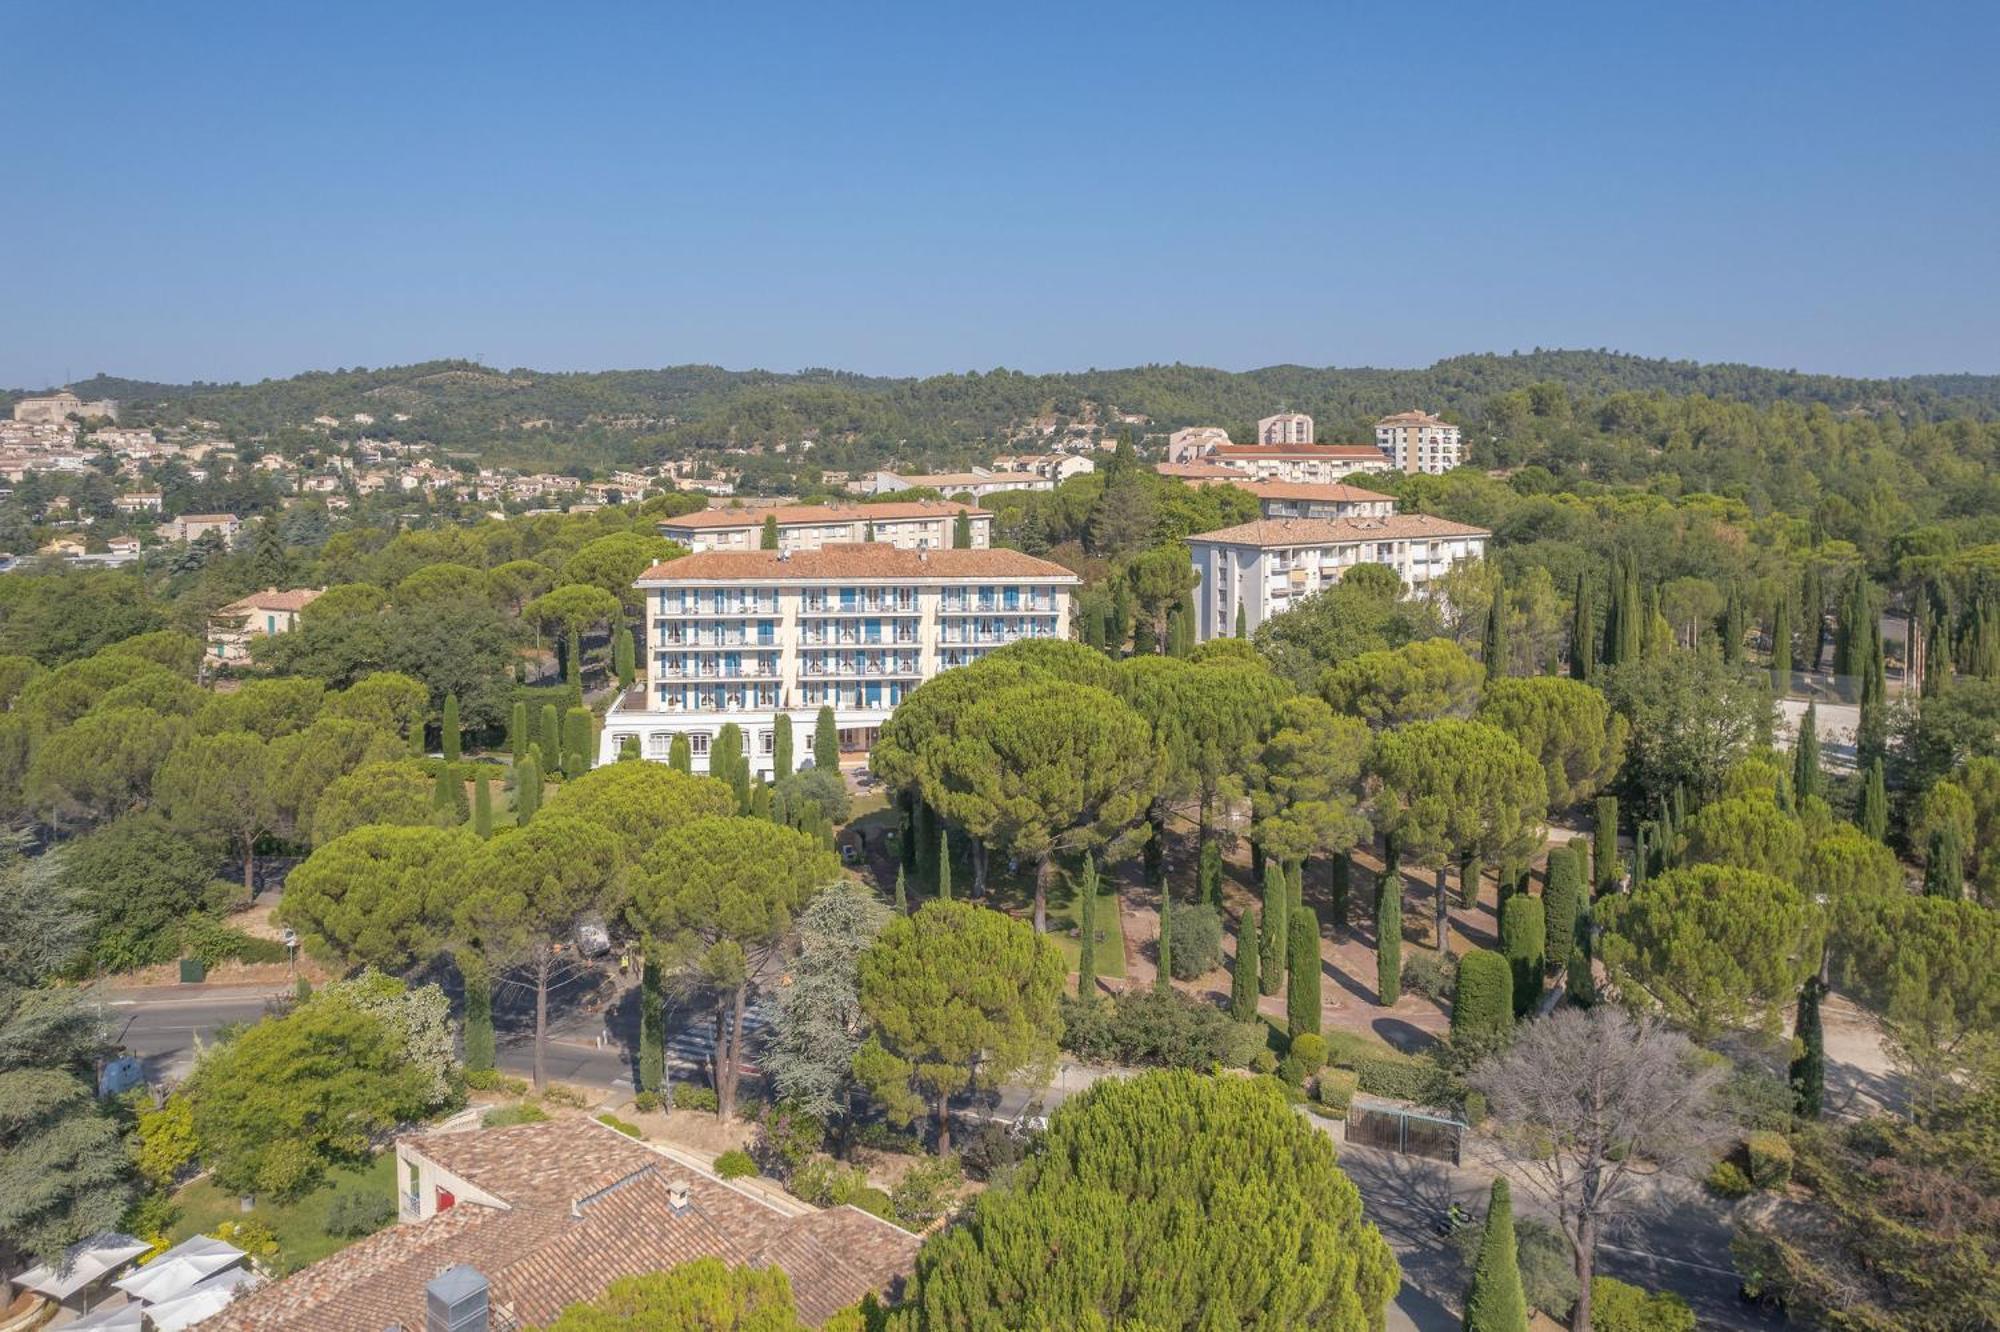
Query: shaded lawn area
[(1015, 894), (1063, 930), (298, 1224)]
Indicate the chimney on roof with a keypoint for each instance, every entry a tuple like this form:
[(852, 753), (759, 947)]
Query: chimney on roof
[(678, 1197), (457, 1300)]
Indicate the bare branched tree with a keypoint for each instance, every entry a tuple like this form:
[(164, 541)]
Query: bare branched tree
[(1595, 1103)]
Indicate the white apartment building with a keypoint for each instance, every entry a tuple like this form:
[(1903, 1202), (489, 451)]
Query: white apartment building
[(1057, 467), (1419, 442), (1293, 499), (1314, 464), (978, 483), (1269, 566), (919, 525), (1285, 428), (1190, 443), (742, 636)]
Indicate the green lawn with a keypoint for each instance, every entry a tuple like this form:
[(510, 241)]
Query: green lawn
[(1110, 957), (299, 1225)]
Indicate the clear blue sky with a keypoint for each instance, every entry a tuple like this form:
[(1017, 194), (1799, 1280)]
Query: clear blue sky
[(230, 191)]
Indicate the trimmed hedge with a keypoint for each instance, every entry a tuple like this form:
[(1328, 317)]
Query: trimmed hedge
[(1336, 1090), (1526, 947), (1562, 896), (1484, 1003), (735, 1164)]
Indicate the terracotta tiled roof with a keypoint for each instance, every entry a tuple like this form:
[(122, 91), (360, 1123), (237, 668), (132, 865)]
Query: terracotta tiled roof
[(1271, 532), (584, 1207), (855, 559), (273, 600), (1360, 452), (1201, 472), (820, 513), (1334, 493)]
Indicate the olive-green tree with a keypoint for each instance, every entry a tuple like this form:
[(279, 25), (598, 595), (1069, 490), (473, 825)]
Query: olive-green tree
[(378, 895), (220, 785)]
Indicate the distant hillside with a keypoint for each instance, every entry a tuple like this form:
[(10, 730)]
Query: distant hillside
[(605, 415)]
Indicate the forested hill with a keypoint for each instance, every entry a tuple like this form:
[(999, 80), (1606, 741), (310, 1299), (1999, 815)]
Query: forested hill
[(462, 404)]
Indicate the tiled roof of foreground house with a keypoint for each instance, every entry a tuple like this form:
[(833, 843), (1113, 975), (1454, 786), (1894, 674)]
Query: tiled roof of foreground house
[(584, 1205)]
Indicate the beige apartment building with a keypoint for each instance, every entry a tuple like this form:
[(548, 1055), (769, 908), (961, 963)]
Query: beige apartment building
[(194, 526), (258, 615), (1269, 566), (1419, 442), (1190, 443), (747, 636), (918, 525), (1285, 428), (1314, 464)]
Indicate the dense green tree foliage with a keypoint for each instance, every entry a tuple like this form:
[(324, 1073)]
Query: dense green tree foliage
[(1494, 1301)]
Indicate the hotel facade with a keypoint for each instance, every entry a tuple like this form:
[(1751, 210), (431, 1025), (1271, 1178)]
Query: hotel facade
[(747, 636), (1269, 566)]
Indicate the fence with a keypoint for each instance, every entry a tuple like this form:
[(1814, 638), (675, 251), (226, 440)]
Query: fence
[(1394, 1128)]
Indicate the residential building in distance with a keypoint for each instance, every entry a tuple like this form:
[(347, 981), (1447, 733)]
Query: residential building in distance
[(742, 636), (1269, 566), (1057, 467), (504, 1227), (58, 407), (1315, 464), (1285, 428), (917, 525), (231, 628), (1202, 473), (1190, 443), (978, 483), (194, 526), (1294, 499), (137, 501), (1419, 442)]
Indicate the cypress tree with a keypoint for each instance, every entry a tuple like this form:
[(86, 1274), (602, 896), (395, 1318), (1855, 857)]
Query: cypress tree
[(1812, 619), (1641, 853), (527, 789), (1163, 976), (577, 748), (1209, 875), (417, 747), (1582, 633), (1581, 978), (1944, 866), (1524, 942), (760, 800), (726, 761), (1604, 857), (478, 1009), (482, 806), (442, 802), (1242, 621), (448, 734), (944, 864), (826, 742), (551, 737), (768, 539), (1243, 977), (1781, 647), (625, 657), (1483, 1003), (1614, 610), (1871, 736), (902, 891), (1733, 624), (680, 756), (652, 1027), (1086, 931), (628, 748), (782, 763), (1271, 951), (1494, 1302), (1493, 650), (1875, 803), (1389, 929), (961, 531), (1808, 1069), (927, 844), (1302, 988), (1805, 755), (1562, 898), (1341, 878), (1633, 618), (517, 731), (1937, 659)]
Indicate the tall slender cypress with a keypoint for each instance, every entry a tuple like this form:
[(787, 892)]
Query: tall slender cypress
[(1805, 755), (527, 789), (1875, 803), (1243, 984), (1341, 877), (1733, 618), (652, 1027), (1944, 865), (482, 805), (1808, 1069), (944, 864), (1242, 620), (1582, 633), (1781, 646), (517, 732), (680, 755), (417, 747), (1812, 619), (551, 738), (1580, 976), (472, 968), (1389, 928), (1494, 645), (1604, 858), (442, 804), (624, 656), (1302, 987), (1086, 932), (781, 746), (826, 742), (1495, 1301), (448, 734), (1562, 899), (577, 749), (1271, 953), (1163, 975), (1524, 943)]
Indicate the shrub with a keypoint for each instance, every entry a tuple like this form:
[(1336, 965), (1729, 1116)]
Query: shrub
[(1147, 1027), (352, 1215), (624, 1126), (1548, 1268), (252, 1236), (1197, 935), (1484, 1004), (210, 941), (1309, 1048), (1431, 976), (926, 1191), (493, 1080), (1245, 1041), (1292, 1072), (1525, 944), (874, 1202), (991, 1150), (559, 1094), (1402, 1078), (825, 1182), (646, 1102), (1727, 1180), (881, 1137), (1770, 1158), (1474, 1106), (787, 1137), (1616, 1306), (735, 1164), (687, 1096), (1264, 1062), (506, 1116), (1336, 1090)]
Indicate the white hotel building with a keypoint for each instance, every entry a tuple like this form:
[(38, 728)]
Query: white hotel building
[(742, 636), (922, 524), (1269, 566)]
